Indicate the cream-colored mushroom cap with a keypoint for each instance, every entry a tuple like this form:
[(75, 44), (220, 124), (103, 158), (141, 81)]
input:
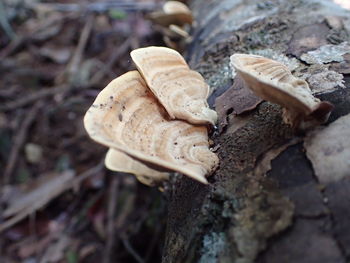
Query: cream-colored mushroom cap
[(176, 31), (174, 12), (170, 43), (165, 20), (274, 82), (175, 7), (127, 117), (182, 91), (120, 162)]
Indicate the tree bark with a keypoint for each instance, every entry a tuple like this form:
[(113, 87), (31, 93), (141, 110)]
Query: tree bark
[(248, 212)]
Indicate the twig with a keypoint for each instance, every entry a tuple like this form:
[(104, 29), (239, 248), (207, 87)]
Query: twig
[(128, 207), (85, 175), (12, 46), (132, 251), (76, 223), (32, 226), (2, 241), (97, 77), (73, 65), (100, 7), (153, 242), (9, 65), (17, 42), (5, 23), (34, 97), (113, 195), (6, 93), (19, 140), (85, 34), (67, 181)]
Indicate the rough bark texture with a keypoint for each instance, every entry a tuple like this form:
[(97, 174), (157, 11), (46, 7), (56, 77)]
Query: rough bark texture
[(249, 213)]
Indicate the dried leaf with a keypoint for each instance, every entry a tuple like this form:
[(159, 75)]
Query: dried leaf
[(305, 242), (238, 99), (307, 199), (60, 55), (328, 149), (342, 67), (56, 251), (44, 28), (30, 248), (264, 164), (337, 194), (36, 197), (334, 22), (308, 38)]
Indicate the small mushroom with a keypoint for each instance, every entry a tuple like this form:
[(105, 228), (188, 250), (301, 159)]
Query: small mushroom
[(173, 22), (174, 36), (174, 32), (178, 32), (120, 162), (175, 7), (169, 42), (182, 91), (274, 82), (173, 12), (127, 117)]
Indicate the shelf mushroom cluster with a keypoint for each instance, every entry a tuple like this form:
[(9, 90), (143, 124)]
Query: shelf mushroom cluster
[(273, 81), (155, 120), (173, 22)]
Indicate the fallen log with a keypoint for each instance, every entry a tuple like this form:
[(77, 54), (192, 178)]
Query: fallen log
[(277, 196)]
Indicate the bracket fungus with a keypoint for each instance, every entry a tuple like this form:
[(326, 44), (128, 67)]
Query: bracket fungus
[(127, 117), (274, 82), (182, 91), (178, 32), (175, 7), (120, 162), (173, 12), (173, 22)]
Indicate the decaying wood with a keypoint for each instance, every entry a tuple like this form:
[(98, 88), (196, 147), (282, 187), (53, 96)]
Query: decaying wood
[(283, 214)]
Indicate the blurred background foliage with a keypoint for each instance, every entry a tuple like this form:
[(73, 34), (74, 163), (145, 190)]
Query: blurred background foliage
[(57, 201)]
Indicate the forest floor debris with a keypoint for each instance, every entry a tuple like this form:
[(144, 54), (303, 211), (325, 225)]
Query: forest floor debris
[(57, 201)]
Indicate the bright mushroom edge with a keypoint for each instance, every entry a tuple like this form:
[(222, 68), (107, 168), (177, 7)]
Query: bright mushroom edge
[(143, 138)]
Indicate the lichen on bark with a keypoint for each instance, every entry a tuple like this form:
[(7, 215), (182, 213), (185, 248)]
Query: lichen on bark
[(245, 216)]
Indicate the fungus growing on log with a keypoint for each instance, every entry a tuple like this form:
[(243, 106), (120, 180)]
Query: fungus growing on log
[(173, 12), (127, 117), (175, 7), (120, 162), (274, 82), (173, 22), (182, 91), (176, 31)]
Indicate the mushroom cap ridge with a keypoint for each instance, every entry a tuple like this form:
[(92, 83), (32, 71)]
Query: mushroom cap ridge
[(182, 91), (274, 82), (120, 162), (107, 133)]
